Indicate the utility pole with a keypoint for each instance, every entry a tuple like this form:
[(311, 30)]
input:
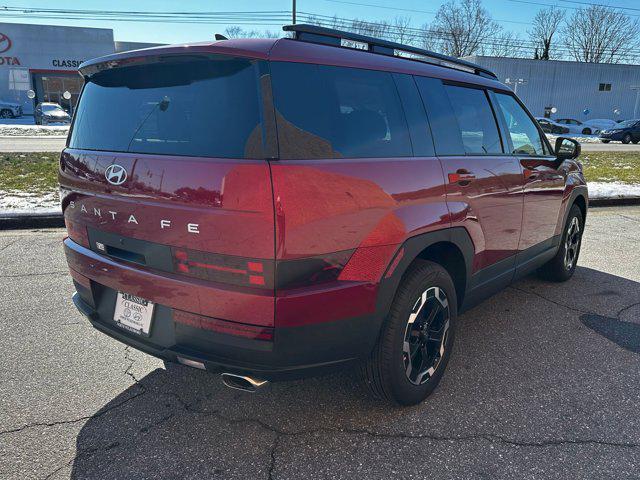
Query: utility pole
[(293, 12), (636, 108)]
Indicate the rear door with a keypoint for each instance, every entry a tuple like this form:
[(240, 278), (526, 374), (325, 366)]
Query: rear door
[(544, 183), (165, 170), (484, 185)]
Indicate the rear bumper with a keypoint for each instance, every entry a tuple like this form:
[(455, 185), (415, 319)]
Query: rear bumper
[(296, 351)]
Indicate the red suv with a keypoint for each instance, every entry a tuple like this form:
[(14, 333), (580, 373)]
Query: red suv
[(271, 209)]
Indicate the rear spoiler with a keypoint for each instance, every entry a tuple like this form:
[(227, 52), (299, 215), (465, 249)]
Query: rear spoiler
[(147, 55)]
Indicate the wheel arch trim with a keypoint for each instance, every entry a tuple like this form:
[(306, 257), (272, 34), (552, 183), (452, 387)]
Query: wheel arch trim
[(411, 249)]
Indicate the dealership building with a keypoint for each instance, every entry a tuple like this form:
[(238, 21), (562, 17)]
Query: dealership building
[(45, 59), (575, 89)]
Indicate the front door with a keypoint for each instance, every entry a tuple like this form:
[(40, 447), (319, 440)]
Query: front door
[(544, 183)]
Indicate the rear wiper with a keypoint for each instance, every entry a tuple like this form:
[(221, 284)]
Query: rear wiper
[(163, 105)]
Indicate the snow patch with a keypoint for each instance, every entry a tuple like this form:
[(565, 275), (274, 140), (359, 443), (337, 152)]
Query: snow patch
[(34, 130), (16, 201), (580, 139), (613, 190)]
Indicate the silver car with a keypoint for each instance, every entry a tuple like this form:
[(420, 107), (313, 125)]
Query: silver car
[(46, 113), (10, 110)]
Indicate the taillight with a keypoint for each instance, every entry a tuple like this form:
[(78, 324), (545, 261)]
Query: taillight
[(311, 270), (252, 332), (242, 271), (77, 232)]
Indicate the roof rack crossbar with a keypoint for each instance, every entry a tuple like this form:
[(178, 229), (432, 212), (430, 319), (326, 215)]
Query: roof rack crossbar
[(338, 38)]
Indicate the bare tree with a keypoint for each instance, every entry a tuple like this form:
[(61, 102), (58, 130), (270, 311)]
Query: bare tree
[(239, 32), (506, 44), (546, 25), (373, 29), (427, 39), (600, 34), (401, 30), (463, 28)]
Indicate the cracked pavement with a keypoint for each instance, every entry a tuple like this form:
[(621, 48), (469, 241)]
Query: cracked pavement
[(543, 383)]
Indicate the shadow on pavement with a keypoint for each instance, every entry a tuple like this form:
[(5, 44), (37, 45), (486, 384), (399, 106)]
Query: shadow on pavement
[(518, 373)]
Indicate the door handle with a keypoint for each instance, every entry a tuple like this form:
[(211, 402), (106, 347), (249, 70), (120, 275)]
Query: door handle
[(461, 177)]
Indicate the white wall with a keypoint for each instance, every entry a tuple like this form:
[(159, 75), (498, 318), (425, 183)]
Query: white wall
[(44, 47), (571, 87)]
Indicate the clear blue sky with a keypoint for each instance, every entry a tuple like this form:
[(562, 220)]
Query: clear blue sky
[(511, 15)]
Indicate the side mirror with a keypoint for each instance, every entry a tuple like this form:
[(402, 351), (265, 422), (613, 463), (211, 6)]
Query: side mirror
[(567, 148)]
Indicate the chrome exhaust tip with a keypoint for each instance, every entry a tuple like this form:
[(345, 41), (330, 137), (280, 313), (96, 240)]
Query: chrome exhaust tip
[(239, 382)]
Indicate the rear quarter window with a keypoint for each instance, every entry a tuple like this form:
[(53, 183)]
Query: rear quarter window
[(336, 112), (205, 107)]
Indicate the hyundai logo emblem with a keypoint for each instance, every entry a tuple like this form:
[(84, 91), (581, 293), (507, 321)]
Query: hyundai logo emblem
[(115, 174)]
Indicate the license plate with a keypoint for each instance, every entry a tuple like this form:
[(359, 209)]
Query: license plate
[(133, 313)]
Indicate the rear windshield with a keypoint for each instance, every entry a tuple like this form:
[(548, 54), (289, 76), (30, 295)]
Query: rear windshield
[(205, 107)]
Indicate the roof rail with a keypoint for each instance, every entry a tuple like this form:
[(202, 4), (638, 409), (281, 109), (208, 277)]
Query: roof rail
[(338, 38)]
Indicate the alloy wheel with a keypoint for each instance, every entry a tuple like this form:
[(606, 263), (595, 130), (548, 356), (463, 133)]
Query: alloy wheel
[(426, 335), (572, 243)]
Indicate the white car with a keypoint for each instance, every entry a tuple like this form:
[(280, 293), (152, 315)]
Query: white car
[(601, 123), (588, 127)]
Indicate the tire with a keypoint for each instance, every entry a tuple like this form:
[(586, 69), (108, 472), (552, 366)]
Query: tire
[(635, 142), (426, 289), (626, 139), (563, 265), (586, 131), (605, 141), (168, 366), (5, 113)]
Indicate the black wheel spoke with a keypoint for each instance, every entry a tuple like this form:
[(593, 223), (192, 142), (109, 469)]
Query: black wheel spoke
[(424, 336)]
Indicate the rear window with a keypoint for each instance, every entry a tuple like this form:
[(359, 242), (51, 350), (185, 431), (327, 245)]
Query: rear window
[(206, 107), (337, 112)]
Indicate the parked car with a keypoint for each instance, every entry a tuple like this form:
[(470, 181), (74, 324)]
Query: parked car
[(600, 123), (338, 208), (589, 127), (46, 113), (549, 126), (625, 132), (10, 110)]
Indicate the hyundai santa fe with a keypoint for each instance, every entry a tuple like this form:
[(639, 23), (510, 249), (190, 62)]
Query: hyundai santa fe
[(273, 209)]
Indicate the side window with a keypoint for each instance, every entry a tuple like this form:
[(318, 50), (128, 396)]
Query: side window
[(416, 116), (524, 134), (335, 112), (444, 127), (475, 119)]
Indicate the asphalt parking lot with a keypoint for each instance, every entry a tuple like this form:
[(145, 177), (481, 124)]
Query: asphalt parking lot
[(544, 383)]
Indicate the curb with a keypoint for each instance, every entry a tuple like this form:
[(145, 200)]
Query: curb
[(31, 220), (614, 202), (56, 220)]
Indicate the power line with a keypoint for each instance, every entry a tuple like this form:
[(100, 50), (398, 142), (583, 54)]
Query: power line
[(530, 2), (280, 17), (412, 10), (599, 5)]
